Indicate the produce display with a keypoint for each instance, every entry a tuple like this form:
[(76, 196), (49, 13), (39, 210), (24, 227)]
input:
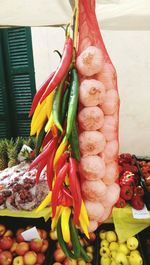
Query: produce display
[(113, 252), (145, 169), (15, 250), (129, 180)]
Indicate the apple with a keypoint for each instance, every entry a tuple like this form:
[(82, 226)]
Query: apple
[(36, 245), (111, 236), (135, 259), (104, 251), (40, 258), (43, 233), (6, 243), (102, 234), (5, 258), (123, 248), (105, 261), (18, 260), (70, 262), (121, 259), (81, 262), (59, 255), (57, 263), (30, 258), (89, 249), (22, 248), (44, 246), (104, 243), (113, 246), (132, 243), (8, 233), (13, 247), (19, 237), (53, 235), (2, 229)]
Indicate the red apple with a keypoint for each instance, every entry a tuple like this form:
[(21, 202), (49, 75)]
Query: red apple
[(8, 233), (6, 243), (30, 258), (36, 245), (18, 260), (5, 258), (19, 237), (70, 262), (44, 246), (13, 247), (40, 258), (43, 233), (59, 255), (2, 229), (22, 248)]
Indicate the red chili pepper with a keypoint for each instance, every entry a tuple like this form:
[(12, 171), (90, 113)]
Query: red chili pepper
[(39, 94), (65, 198), (121, 203), (50, 173), (58, 184), (62, 69), (47, 138), (61, 161), (42, 164), (75, 188), (45, 153)]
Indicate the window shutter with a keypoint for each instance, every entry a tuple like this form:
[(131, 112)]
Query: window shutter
[(4, 118), (20, 71)]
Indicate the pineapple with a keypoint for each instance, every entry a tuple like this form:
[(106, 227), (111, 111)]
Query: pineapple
[(3, 154), (30, 141), (12, 153), (19, 144)]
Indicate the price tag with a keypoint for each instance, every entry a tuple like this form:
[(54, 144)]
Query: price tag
[(30, 234), (141, 214)]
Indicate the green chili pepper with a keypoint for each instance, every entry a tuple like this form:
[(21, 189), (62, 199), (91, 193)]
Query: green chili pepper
[(75, 240), (64, 105), (39, 141), (73, 101), (74, 141), (57, 106), (85, 255), (61, 241)]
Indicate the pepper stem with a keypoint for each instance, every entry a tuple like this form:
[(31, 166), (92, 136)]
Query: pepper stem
[(76, 24)]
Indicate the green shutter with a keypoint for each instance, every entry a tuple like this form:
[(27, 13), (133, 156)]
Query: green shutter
[(4, 118), (21, 80)]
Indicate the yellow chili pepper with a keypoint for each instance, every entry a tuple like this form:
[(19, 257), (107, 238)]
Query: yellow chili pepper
[(56, 217), (49, 101), (60, 150), (65, 224), (45, 202), (49, 123), (39, 121), (84, 214), (83, 225), (36, 112)]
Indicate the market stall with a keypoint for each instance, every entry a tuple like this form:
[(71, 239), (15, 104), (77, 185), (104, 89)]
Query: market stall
[(73, 185)]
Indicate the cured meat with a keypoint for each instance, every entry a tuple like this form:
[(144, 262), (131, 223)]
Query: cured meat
[(98, 136)]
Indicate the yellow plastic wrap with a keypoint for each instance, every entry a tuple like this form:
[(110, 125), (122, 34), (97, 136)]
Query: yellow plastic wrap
[(125, 225), (45, 213)]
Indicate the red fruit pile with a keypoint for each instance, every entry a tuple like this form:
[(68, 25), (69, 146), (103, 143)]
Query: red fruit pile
[(130, 191), (15, 250), (145, 168)]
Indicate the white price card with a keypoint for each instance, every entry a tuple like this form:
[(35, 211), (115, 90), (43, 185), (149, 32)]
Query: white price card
[(141, 214), (30, 234)]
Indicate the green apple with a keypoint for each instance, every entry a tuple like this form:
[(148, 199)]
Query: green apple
[(132, 243), (121, 259), (105, 261), (113, 246), (111, 236), (113, 253), (135, 259), (102, 234), (105, 252), (104, 243), (135, 252), (123, 248)]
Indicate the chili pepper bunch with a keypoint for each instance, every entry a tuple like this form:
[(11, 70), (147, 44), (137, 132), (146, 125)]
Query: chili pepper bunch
[(53, 112)]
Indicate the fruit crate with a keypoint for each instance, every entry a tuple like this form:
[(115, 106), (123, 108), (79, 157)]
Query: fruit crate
[(142, 179), (144, 241), (111, 227), (13, 223)]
